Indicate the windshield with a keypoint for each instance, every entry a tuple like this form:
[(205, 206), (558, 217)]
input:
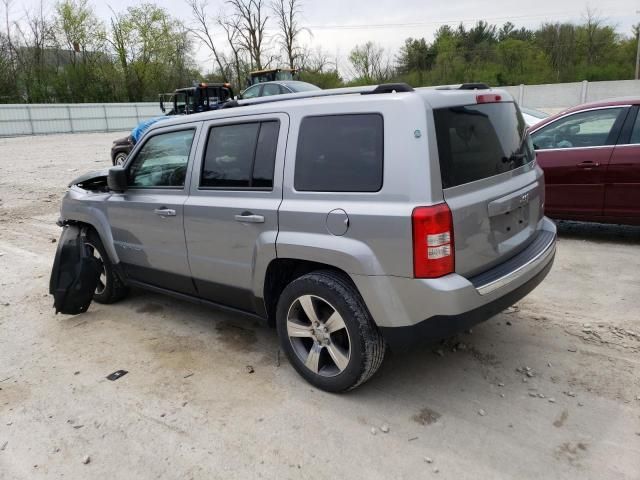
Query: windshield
[(285, 75), (480, 141)]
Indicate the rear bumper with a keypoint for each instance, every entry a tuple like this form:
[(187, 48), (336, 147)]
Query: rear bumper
[(411, 310)]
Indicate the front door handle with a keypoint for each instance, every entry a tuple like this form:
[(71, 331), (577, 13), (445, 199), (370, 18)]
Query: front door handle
[(165, 212), (248, 217), (588, 164)]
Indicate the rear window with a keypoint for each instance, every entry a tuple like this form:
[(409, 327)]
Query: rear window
[(340, 153), (480, 141)]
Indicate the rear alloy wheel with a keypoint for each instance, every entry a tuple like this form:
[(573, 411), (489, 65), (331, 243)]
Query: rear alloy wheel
[(327, 332), (318, 335)]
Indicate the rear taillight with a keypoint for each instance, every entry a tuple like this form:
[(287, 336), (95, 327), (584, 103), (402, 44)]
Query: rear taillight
[(433, 247)]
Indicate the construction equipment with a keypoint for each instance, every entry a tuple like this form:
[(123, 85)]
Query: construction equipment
[(271, 75), (201, 97)]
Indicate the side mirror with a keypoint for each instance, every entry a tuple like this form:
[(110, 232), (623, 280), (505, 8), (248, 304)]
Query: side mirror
[(117, 179)]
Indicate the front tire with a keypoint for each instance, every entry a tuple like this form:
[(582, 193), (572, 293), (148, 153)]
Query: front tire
[(327, 332), (110, 288), (119, 159)]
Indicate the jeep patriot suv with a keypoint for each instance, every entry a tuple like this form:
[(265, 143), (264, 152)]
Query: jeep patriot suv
[(350, 219)]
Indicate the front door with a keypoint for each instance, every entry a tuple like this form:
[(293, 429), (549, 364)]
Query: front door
[(231, 216), (574, 152), (147, 219)]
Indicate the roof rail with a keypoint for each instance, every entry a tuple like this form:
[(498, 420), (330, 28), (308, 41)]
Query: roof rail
[(368, 90), (464, 86)]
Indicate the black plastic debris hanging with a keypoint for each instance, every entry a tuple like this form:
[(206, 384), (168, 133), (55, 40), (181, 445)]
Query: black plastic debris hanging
[(116, 375), (74, 275)]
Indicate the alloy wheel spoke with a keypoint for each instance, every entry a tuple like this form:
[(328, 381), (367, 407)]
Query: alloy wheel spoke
[(335, 322), (339, 358), (295, 329), (309, 309), (313, 359)]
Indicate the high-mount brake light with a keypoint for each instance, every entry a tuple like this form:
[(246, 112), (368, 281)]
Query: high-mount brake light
[(488, 98), (433, 245)]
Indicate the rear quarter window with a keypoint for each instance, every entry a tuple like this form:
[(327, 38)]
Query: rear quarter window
[(340, 153)]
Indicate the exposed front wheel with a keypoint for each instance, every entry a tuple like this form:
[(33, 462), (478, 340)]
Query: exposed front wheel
[(327, 332), (110, 288)]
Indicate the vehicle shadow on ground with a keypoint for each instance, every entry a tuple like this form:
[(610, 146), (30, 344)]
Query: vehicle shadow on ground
[(598, 232), (427, 373)]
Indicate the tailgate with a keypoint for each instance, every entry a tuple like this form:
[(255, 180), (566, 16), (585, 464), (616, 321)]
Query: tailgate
[(490, 183)]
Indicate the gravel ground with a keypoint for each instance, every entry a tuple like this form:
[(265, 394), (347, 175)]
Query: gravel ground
[(547, 389)]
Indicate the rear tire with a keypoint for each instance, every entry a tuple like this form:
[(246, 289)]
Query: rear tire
[(110, 287), (327, 332)]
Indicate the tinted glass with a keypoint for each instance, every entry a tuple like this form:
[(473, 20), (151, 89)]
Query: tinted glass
[(340, 153), (265, 155), (584, 129), (162, 161), (480, 141), (635, 133), (241, 156)]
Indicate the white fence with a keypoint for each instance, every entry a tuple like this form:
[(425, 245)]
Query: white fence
[(554, 97), (37, 119)]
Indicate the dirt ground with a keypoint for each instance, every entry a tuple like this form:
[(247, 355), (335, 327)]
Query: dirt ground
[(549, 389)]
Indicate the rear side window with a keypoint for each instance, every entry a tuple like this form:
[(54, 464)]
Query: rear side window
[(635, 133), (480, 141), (340, 153), (241, 156)]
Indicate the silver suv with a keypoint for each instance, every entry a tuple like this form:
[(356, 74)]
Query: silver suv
[(351, 219)]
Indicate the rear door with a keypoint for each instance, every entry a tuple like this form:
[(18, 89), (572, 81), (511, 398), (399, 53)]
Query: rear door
[(231, 217), (622, 189), (574, 152), (489, 181)]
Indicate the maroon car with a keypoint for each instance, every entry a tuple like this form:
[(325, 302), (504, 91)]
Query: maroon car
[(590, 155)]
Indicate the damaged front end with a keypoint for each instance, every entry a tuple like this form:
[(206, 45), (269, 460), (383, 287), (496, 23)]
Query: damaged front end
[(95, 181), (75, 272)]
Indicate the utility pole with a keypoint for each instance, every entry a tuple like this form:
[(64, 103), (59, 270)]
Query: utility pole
[(638, 49)]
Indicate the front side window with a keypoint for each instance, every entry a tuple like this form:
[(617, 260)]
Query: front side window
[(585, 129), (241, 156), (340, 153), (162, 161)]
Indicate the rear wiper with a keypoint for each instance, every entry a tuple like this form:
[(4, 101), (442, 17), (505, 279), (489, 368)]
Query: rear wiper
[(514, 157)]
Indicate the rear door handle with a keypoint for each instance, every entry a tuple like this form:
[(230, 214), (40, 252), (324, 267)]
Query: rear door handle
[(165, 212), (249, 218)]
